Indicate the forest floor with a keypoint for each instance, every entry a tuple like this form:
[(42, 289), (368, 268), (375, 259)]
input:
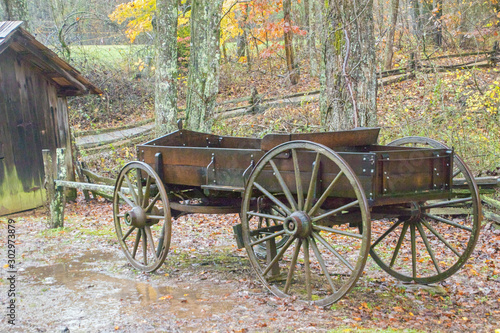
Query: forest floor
[(77, 279)]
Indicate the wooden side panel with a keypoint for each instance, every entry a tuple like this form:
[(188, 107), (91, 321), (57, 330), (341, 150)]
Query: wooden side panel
[(187, 138), (356, 137)]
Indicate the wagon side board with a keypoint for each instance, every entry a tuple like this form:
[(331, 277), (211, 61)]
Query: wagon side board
[(195, 166)]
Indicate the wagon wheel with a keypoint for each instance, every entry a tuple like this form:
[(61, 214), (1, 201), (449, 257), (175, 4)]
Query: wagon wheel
[(320, 260), (141, 212), (439, 237)]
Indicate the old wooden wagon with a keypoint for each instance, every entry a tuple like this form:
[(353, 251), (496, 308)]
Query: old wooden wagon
[(312, 206)]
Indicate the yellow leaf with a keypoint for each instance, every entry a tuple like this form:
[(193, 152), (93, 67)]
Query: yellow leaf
[(165, 297)]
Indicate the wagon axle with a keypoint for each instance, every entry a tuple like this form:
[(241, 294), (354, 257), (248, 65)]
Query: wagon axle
[(298, 225), (136, 217)]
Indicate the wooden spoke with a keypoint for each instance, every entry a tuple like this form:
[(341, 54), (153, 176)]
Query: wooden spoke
[(273, 198), (131, 189), (340, 232), (144, 247), (152, 203), (398, 246), (335, 211), (325, 194), (263, 239), (307, 269), (456, 173), (279, 211), (322, 264), (286, 190), (147, 191), (151, 242), (440, 237), (428, 247), (261, 219), (312, 183), (292, 265), (441, 219), (124, 198), (128, 233), (413, 251), (331, 249), (136, 244), (298, 181), (278, 256), (394, 226), (139, 188), (446, 203), (267, 216)]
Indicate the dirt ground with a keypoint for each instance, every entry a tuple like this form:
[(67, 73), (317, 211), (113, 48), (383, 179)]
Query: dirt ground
[(77, 279)]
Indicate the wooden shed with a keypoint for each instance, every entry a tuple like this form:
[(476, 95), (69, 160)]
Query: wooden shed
[(34, 85)]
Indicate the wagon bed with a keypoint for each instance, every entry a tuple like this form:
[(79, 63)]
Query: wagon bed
[(221, 163), (306, 203)]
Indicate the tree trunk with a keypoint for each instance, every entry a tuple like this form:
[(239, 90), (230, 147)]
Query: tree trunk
[(349, 82), (203, 79), (246, 31), (496, 9), (288, 34), (390, 37), (438, 26), (309, 8), (416, 20), (15, 10), (166, 67)]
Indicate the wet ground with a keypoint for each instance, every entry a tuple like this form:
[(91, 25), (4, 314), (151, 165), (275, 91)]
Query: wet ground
[(80, 293), (76, 279)]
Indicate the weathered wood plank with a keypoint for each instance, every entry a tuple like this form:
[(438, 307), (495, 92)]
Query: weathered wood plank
[(492, 202), (85, 186), (492, 216), (98, 178)]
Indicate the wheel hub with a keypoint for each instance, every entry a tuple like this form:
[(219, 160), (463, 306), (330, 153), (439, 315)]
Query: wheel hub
[(298, 224), (416, 212), (136, 217)]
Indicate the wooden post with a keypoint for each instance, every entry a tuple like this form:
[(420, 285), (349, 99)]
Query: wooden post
[(55, 194), (495, 54), (413, 62), (49, 176), (81, 179)]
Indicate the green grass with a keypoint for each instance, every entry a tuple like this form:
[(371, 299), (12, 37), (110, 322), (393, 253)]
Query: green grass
[(111, 55)]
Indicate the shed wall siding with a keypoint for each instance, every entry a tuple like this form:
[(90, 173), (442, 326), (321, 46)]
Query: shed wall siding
[(32, 118)]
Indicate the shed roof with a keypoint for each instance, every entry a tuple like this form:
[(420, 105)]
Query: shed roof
[(69, 80)]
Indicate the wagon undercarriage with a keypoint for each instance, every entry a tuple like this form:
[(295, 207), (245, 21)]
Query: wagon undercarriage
[(307, 203)]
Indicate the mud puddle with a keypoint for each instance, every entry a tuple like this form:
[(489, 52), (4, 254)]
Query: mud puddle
[(91, 292)]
